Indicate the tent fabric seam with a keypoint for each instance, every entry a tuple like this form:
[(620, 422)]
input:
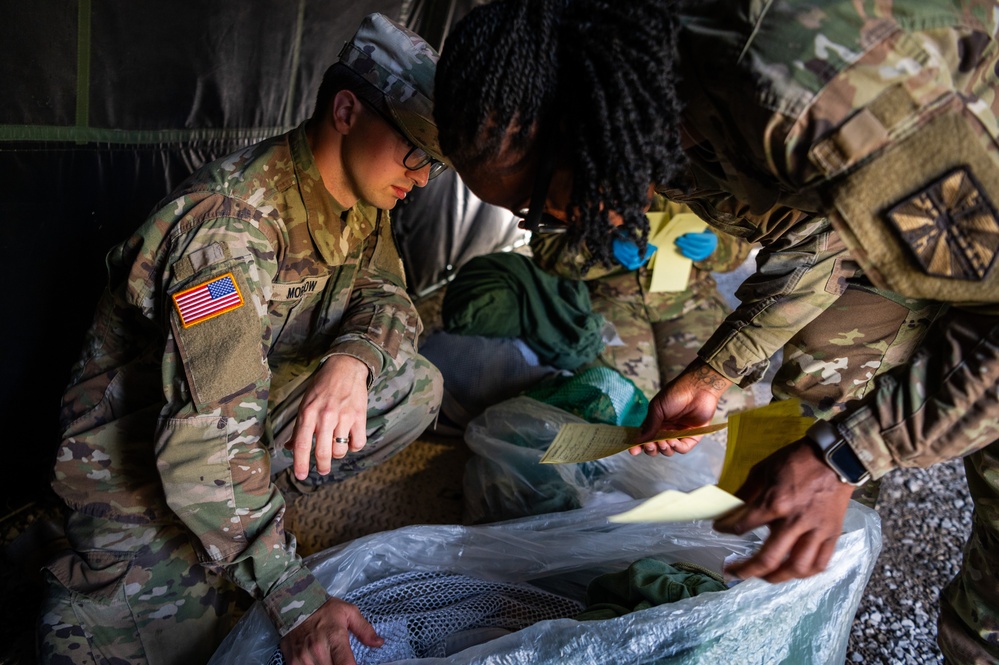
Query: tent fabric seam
[(54, 133)]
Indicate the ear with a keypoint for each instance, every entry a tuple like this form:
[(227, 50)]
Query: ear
[(344, 109)]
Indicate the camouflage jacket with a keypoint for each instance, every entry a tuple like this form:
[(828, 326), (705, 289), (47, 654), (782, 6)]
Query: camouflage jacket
[(835, 100), (218, 309)]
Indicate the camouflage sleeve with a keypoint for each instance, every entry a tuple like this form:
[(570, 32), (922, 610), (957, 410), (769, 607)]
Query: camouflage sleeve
[(797, 278), (866, 88), (940, 406), (210, 452), (552, 253), (380, 317)]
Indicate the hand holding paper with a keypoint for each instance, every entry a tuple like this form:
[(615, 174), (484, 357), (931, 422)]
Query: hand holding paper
[(753, 435), (795, 493), (583, 442), (689, 400), (670, 268)]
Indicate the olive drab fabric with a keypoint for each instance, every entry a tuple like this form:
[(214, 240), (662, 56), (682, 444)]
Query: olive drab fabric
[(863, 159), (176, 412)]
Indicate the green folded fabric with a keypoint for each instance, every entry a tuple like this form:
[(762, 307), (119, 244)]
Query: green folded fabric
[(646, 583), (505, 294)]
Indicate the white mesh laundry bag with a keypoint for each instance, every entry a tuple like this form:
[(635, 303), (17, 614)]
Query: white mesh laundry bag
[(424, 614), (798, 622)]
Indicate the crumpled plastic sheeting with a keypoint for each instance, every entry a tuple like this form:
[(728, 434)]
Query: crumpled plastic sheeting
[(799, 622), (504, 479)]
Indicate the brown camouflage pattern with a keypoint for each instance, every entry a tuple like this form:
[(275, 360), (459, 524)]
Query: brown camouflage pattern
[(172, 430), (826, 93)]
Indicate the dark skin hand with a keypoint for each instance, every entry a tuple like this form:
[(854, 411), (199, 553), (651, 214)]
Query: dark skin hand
[(324, 638), (687, 401), (803, 501)]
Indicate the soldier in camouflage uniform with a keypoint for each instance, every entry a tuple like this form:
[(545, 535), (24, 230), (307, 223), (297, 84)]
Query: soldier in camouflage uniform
[(660, 331), (257, 323), (856, 142)]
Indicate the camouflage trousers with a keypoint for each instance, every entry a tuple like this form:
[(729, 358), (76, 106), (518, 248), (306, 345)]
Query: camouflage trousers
[(127, 593), (968, 628), (659, 336)]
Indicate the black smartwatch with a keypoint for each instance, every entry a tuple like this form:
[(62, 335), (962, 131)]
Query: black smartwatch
[(837, 453)]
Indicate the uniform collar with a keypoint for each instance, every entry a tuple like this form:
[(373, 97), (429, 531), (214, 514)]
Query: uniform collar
[(335, 230)]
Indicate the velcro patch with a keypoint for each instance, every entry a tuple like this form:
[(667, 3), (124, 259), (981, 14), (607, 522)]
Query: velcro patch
[(208, 300), (951, 227)]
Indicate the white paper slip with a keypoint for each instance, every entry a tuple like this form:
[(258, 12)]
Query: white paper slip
[(705, 503)]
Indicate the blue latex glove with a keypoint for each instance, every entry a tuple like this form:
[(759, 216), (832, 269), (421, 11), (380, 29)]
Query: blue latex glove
[(626, 253), (697, 246)]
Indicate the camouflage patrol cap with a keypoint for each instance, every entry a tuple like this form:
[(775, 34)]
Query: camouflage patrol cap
[(400, 65)]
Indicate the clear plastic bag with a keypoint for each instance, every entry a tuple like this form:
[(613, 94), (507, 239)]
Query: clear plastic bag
[(504, 479), (798, 622)]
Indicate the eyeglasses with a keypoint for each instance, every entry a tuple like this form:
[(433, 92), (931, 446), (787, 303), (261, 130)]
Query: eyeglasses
[(417, 158), (536, 220)]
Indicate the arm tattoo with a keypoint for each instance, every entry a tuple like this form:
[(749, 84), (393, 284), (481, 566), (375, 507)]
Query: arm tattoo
[(705, 376)]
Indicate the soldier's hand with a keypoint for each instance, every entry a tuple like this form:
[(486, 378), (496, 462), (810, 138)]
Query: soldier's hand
[(803, 501), (334, 412), (324, 638), (687, 401)]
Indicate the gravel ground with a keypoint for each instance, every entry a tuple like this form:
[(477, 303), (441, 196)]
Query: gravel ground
[(925, 520)]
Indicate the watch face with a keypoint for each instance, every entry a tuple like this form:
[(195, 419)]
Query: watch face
[(845, 460)]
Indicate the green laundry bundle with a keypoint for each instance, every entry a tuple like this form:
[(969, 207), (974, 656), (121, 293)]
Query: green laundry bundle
[(597, 394), (505, 294), (646, 583)]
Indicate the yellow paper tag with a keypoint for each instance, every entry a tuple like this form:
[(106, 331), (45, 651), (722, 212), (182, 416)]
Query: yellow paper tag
[(757, 433), (670, 268), (584, 442)]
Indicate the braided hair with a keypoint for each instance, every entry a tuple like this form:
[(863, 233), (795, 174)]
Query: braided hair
[(599, 72)]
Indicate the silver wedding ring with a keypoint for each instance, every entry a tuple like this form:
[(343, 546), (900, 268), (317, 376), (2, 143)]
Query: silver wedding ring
[(341, 439)]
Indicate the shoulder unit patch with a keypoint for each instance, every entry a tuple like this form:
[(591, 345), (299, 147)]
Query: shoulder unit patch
[(207, 300), (951, 227)]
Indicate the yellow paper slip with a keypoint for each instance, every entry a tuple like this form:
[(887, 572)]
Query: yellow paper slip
[(705, 503), (755, 434), (670, 268), (584, 442)]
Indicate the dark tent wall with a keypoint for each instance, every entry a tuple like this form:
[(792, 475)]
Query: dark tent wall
[(106, 107)]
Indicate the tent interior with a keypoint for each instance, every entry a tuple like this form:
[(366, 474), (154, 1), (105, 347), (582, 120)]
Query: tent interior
[(108, 107)]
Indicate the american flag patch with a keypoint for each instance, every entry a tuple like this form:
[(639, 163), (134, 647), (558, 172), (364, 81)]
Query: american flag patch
[(207, 300)]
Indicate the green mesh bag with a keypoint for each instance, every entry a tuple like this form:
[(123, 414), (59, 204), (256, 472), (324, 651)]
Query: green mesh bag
[(598, 395)]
